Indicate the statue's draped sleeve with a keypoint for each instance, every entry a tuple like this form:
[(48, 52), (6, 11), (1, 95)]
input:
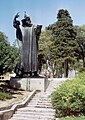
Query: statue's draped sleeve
[(16, 25), (38, 31)]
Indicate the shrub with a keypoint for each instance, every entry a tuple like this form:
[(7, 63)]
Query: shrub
[(69, 98), (4, 96), (74, 118)]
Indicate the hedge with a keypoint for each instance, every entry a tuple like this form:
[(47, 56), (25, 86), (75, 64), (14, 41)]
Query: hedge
[(69, 98)]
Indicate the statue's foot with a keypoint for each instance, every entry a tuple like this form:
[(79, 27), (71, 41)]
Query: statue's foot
[(35, 74)]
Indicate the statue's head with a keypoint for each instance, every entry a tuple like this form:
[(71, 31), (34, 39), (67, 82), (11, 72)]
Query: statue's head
[(26, 22)]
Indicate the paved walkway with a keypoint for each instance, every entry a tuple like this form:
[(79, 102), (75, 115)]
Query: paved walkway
[(40, 107)]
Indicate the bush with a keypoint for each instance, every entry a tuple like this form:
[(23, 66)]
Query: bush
[(74, 118), (69, 98), (4, 96)]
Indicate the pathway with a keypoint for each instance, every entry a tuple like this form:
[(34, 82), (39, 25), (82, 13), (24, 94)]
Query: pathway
[(40, 107)]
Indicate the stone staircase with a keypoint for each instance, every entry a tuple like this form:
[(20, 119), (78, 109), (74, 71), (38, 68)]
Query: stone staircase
[(39, 108)]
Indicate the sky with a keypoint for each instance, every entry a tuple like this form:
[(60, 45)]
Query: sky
[(42, 12)]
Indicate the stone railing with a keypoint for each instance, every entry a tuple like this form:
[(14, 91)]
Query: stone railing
[(8, 113)]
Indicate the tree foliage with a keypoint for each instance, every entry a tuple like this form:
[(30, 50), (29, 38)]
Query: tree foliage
[(80, 38), (65, 45), (8, 54), (64, 36), (45, 43)]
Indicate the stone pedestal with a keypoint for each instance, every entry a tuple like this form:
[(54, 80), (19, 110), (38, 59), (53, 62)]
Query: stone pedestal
[(29, 83)]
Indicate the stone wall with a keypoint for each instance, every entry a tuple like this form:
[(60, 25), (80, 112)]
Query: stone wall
[(29, 83)]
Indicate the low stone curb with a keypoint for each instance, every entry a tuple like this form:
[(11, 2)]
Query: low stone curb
[(7, 114)]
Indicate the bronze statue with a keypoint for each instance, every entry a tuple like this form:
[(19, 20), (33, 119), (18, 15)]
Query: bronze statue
[(28, 36)]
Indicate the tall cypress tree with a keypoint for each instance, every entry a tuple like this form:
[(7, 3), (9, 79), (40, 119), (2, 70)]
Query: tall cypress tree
[(64, 35)]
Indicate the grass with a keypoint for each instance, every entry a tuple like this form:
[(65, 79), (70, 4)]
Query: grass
[(74, 118), (4, 95)]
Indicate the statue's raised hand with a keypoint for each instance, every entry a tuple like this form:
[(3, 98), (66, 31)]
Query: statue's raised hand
[(17, 15), (16, 22)]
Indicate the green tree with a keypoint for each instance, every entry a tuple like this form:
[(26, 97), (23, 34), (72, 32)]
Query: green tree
[(81, 42), (64, 45), (8, 54), (45, 44)]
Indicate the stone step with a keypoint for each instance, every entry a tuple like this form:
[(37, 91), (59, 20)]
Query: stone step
[(46, 101), (40, 100), (33, 113), (26, 109), (42, 96), (40, 106), (30, 119), (32, 116), (39, 103)]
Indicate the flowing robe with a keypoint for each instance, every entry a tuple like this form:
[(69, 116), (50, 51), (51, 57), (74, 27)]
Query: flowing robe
[(29, 48)]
